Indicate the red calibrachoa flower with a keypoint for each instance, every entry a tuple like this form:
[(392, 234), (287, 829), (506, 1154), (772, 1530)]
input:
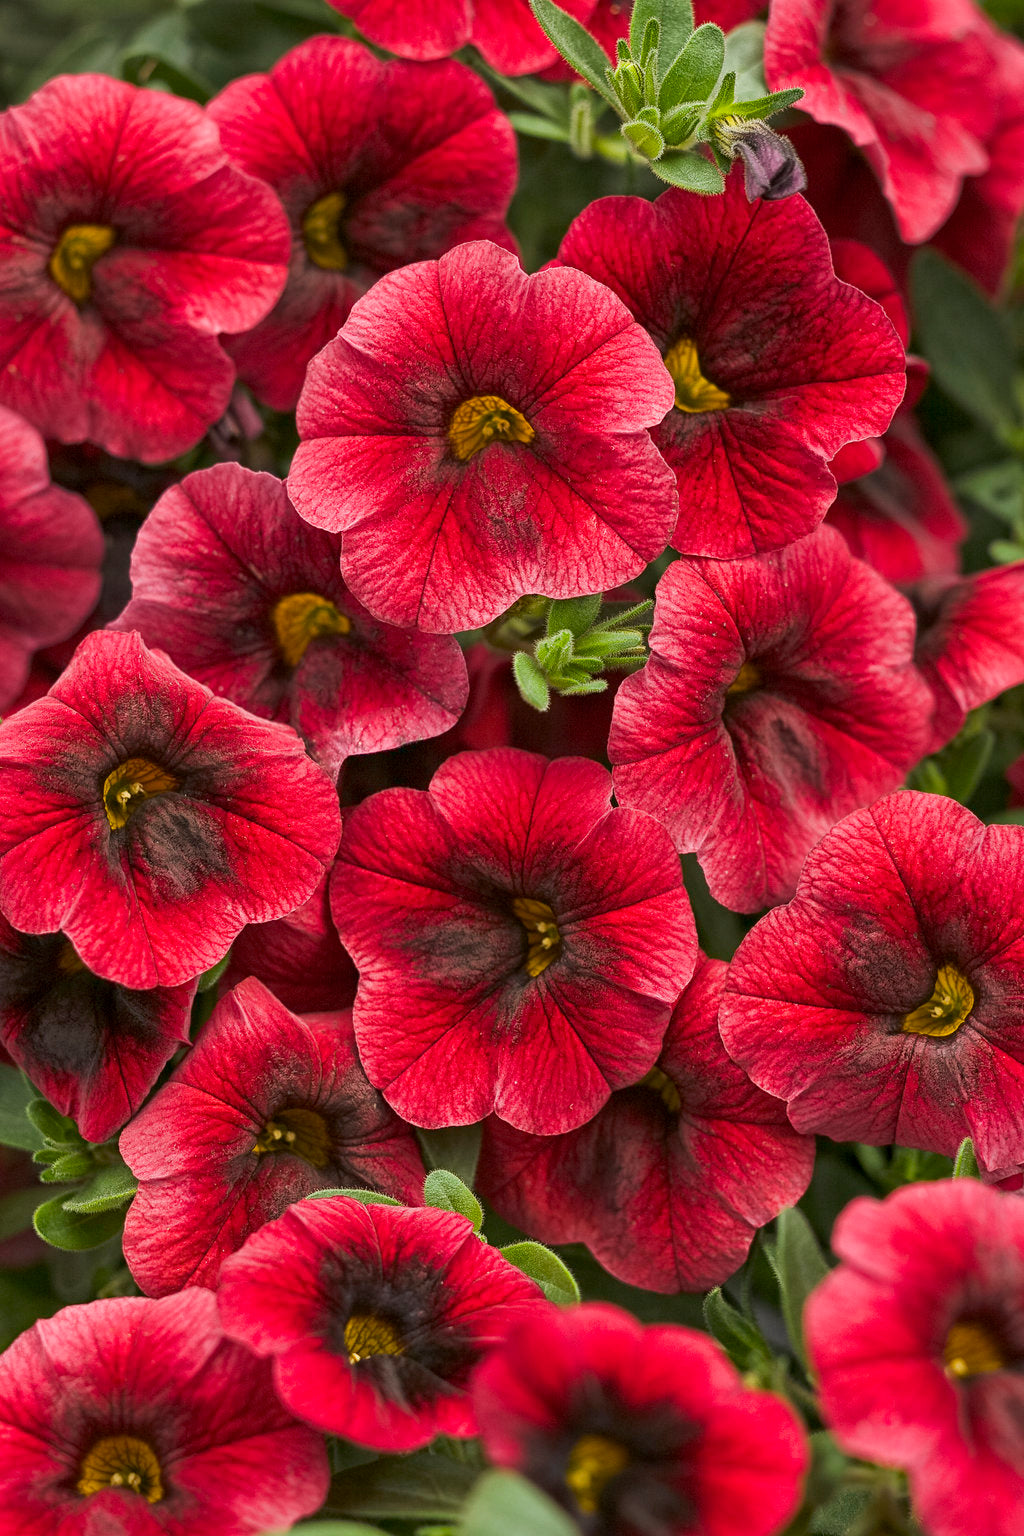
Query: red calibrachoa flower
[(668, 1184), (970, 644), (519, 945), (908, 83), (918, 1343), (882, 1002), (150, 821), (298, 957), (266, 1108), (478, 434), (131, 1417), (779, 694), (378, 163), (127, 242), (260, 614), (775, 363), (503, 30), (374, 1316), (638, 1431), (93, 1048), (51, 548)]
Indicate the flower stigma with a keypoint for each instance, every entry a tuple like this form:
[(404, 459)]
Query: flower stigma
[(971, 1349), (77, 252), (321, 232), (485, 419), (367, 1335), (303, 617), (302, 1132), (593, 1461), (132, 783), (543, 940), (948, 1007), (694, 393), (121, 1461)]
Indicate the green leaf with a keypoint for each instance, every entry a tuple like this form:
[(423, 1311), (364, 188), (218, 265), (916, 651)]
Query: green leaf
[(744, 57), (574, 613), (530, 680), (539, 127), (75, 1230), (964, 763), (211, 977), (69, 1166), (54, 1127), (110, 1187), (999, 488), (965, 1164), (554, 1278), (365, 1196), (686, 168), (738, 1335), (505, 1504), (967, 342), (445, 1191), (16, 1129), (800, 1266), (765, 106), (695, 73), (329, 1528), (675, 24), (455, 1147), (417, 1487), (161, 51), (16, 1211), (576, 46)]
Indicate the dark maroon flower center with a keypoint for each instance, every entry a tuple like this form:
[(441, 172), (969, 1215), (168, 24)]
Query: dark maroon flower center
[(321, 232), (694, 393), (75, 254), (948, 1006), (485, 419), (300, 1131), (543, 940), (130, 784), (121, 1461), (303, 617)]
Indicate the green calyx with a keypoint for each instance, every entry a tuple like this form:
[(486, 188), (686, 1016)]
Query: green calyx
[(577, 647)]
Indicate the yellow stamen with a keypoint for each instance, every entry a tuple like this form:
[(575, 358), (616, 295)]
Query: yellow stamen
[(131, 783), (949, 1005), (121, 1461), (321, 232), (486, 419), (971, 1349), (746, 680), (665, 1088), (543, 940), (78, 250), (303, 617), (367, 1335), (302, 1132), (694, 393), (593, 1461)]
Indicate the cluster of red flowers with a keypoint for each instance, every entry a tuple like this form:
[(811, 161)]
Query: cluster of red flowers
[(293, 876)]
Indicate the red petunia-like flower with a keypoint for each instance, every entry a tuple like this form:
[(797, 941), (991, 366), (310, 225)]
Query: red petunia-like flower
[(51, 549), (908, 82), (131, 1417), (378, 163), (883, 1002), (504, 31), (478, 434), (374, 1316), (150, 821), (918, 1343), (970, 643), (266, 1108), (94, 1049), (668, 1184), (776, 363), (299, 958), (127, 242), (779, 695), (638, 1431), (260, 614), (519, 945)]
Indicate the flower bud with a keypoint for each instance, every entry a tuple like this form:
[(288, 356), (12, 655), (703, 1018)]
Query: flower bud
[(772, 169)]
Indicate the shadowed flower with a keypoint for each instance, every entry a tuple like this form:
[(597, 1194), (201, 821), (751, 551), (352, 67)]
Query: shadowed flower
[(970, 641), (299, 958), (519, 944), (149, 821), (131, 1417), (374, 1316), (883, 1002), (127, 242), (477, 435)]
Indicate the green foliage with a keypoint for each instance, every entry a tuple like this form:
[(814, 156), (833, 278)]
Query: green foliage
[(423, 1486), (16, 1094), (799, 1266), (505, 1504), (364, 1196), (968, 344), (541, 1264), (445, 1191), (456, 1148)]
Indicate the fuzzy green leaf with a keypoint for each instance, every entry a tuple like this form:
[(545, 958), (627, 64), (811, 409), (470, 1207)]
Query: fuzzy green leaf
[(675, 24), (800, 1266), (555, 1280), (576, 46), (686, 168), (965, 1165), (530, 681), (75, 1230), (505, 1504), (695, 73), (365, 1196), (106, 1190), (16, 1129), (445, 1191), (422, 1486)]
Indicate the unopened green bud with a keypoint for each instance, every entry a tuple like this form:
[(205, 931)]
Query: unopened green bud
[(645, 138), (629, 86)]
